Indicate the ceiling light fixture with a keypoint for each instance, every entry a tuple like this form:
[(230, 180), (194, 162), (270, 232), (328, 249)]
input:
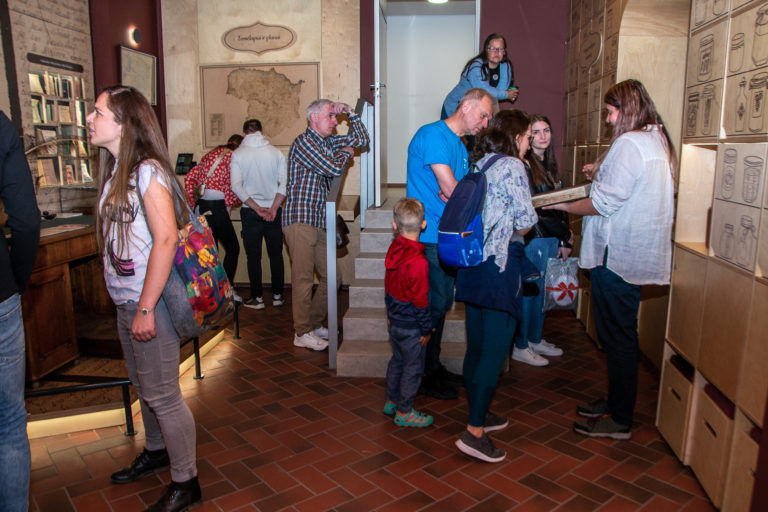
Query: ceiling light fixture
[(437, 1)]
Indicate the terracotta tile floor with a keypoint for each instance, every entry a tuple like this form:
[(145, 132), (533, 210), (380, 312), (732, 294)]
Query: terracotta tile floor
[(277, 430)]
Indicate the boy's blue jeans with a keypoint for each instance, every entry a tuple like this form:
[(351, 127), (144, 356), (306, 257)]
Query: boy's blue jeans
[(14, 445), (405, 368)]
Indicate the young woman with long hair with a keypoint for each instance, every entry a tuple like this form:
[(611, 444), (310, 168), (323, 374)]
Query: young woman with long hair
[(627, 231), (550, 237), (492, 291), (138, 244)]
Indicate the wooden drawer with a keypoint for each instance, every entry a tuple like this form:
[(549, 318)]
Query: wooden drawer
[(727, 296), (740, 480), (712, 432), (686, 302), (753, 378), (675, 393)]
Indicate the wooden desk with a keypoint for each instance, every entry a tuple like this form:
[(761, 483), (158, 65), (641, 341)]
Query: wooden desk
[(47, 306)]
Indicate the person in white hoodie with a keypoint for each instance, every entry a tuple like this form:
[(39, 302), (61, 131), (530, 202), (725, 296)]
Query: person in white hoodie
[(258, 176)]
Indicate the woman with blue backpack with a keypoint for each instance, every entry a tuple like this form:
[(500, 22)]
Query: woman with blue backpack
[(492, 290)]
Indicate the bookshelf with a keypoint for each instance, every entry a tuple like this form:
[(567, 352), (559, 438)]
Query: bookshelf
[(59, 107)]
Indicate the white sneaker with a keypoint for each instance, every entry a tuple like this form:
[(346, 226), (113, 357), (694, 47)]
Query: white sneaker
[(254, 303), (236, 297), (321, 332), (277, 299), (310, 341), (528, 356), (546, 349)]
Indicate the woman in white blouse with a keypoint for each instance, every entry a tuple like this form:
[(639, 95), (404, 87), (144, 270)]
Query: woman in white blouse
[(627, 231)]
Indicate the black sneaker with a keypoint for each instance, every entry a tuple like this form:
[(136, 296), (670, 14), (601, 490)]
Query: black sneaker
[(480, 448), (603, 427), (594, 409), (493, 422)]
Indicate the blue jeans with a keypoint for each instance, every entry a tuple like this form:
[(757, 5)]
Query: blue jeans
[(615, 303), (153, 367), (538, 250), (442, 279), (405, 368), (489, 336), (254, 229), (14, 445)]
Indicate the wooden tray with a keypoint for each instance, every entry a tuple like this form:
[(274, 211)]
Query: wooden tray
[(562, 195)]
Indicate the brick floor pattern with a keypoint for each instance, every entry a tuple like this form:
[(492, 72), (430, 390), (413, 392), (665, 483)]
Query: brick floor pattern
[(277, 430)]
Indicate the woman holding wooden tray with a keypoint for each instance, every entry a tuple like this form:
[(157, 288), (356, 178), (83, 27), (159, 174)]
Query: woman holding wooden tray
[(627, 230)]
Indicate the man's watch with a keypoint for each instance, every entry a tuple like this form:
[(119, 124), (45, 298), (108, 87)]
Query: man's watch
[(146, 311)]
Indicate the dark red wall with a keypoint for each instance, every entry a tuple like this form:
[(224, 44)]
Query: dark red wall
[(535, 34), (110, 21), (366, 49)]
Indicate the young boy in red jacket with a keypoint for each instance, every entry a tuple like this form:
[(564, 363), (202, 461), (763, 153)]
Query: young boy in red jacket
[(410, 326)]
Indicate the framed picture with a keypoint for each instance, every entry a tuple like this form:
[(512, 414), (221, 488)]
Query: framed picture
[(139, 70)]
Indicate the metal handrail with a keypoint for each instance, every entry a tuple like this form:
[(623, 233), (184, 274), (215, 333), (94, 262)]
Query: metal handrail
[(330, 263), (98, 382)]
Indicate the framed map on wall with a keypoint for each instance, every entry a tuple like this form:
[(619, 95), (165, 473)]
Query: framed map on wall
[(138, 69), (275, 94)]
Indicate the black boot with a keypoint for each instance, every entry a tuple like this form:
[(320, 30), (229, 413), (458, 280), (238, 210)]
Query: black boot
[(179, 497), (145, 463), (432, 385)]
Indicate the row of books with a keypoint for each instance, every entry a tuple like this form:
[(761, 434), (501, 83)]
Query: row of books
[(51, 172), (48, 111), (68, 144), (56, 85)]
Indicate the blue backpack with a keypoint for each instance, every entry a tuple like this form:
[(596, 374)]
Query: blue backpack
[(460, 232)]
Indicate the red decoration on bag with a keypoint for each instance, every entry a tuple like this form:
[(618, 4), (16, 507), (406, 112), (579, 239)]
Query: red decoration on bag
[(568, 288)]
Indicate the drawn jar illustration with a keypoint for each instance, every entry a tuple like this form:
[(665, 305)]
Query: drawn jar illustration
[(700, 12), (708, 100), (745, 241), (729, 173), (736, 53), (741, 106), (760, 41), (693, 112), (753, 166), (727, 242), (757, 101), (706, 49)]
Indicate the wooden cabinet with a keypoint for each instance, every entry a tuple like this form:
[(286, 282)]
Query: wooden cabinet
[(47, 306), (49, 321)]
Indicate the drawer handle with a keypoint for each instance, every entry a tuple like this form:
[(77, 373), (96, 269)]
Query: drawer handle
[(709, 427), (672, 390)]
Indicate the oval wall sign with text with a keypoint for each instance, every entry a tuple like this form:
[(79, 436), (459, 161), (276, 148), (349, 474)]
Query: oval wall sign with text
[(259, 38)]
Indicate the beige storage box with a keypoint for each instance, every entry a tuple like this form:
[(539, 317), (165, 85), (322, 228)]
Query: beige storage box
[(675, 393), (711, 431), (741, 472)]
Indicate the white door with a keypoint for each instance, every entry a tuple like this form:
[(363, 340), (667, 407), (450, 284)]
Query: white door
[(379, 94)]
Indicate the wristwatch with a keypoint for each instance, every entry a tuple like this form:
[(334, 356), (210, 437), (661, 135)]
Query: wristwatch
[(146, 311)]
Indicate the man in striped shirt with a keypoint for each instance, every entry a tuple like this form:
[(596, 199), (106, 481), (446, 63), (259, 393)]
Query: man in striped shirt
[(316, 157)]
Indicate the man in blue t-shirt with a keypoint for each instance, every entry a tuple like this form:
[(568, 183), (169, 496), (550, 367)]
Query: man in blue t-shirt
[(437, 160)]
